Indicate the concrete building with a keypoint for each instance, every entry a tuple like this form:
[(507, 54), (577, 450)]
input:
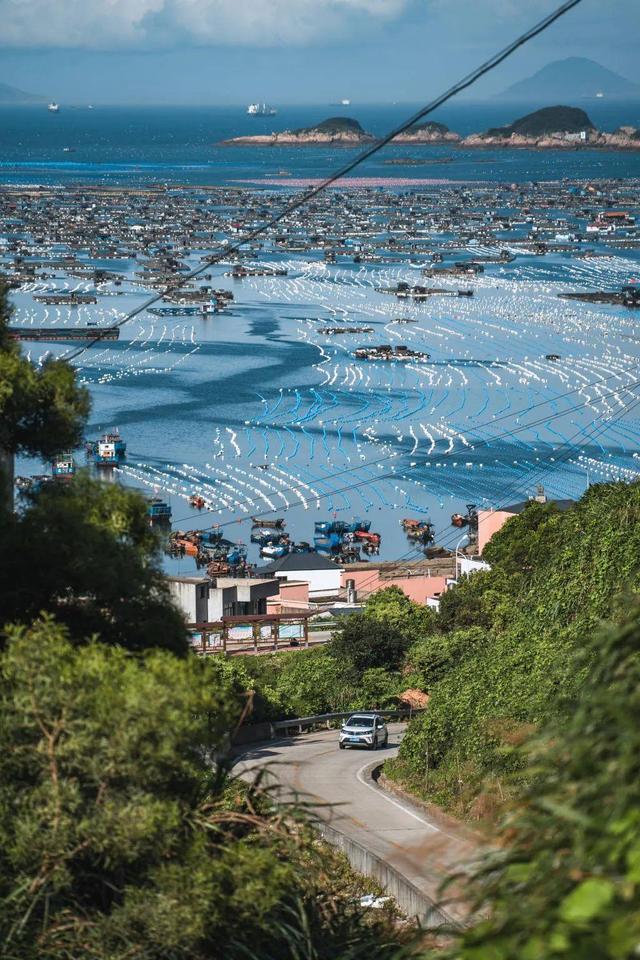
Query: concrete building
[(293, 597), (207, 601), (322, 575), (421, 581)]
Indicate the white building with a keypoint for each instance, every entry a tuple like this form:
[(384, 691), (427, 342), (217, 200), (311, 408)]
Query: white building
[(322, 575), (207, 601)]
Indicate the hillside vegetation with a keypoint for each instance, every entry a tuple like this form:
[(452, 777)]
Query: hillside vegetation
[(498, 662), (503, 658), (547, 120), (334, 125)]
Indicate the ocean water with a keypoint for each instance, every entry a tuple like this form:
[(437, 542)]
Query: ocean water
[(182, 145), (206, 404)]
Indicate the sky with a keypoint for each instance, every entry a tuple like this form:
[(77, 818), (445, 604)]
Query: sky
[(292, 51)]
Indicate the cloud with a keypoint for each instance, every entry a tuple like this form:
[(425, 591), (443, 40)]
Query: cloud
[(114, 24)]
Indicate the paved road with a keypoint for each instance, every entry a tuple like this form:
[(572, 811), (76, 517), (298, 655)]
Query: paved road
[(338, 786)]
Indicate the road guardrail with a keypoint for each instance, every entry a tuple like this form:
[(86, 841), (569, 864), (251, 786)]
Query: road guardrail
[(326, 719)]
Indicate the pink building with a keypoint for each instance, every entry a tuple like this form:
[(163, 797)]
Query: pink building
[(490, 521), (293, 597), (421, 582)]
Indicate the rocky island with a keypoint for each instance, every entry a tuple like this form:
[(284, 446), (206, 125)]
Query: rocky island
[(430, 132), (555, 128), (341, 131), (549, 128)]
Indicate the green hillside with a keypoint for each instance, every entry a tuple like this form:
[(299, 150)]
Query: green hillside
[(334, 125), (503, 657), (545, 121)]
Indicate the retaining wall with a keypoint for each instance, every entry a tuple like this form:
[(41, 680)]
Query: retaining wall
[(412, 901)]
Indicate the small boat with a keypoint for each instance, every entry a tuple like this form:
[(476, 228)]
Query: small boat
[(210, 536), (197, 501), (263, 537), (274, 550), (278, 524), (302, 547), (410, 524), (53, 107), (457, 520), (364, 535)]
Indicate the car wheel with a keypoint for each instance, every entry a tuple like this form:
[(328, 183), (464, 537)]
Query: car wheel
[(386, 740), (374, 745), (341, 745)]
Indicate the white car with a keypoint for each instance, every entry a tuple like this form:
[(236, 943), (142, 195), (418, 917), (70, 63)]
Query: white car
[(364, 730)]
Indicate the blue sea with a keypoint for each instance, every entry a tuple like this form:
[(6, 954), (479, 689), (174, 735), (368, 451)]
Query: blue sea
[(259, 412), (182, 145)]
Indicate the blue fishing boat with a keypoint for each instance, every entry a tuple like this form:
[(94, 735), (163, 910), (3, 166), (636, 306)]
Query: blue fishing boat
[(158, 511), (109, 451), (275, 550), (63, 467), (210, 536)]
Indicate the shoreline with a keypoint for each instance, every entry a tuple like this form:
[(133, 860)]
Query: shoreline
[(562, 146)]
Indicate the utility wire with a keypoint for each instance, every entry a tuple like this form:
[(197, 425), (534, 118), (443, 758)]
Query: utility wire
[(308, 195), (386, 476), (590, 434), (487, 423)]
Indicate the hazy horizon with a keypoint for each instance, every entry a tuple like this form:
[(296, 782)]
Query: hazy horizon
[(233, 52)]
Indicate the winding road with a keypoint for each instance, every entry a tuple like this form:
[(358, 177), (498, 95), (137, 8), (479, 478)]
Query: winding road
[(338, 787)]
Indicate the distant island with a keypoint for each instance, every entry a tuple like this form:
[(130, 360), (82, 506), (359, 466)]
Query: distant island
[(430, 132), (336, 130), (347, 132), (551, 127), (9, 94), (555, 127), (575, 78)]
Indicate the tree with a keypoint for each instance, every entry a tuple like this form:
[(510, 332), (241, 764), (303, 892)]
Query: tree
[(121, 835), (393, 606), (567, 883), (43, 410), (365, 642), (84, 551)]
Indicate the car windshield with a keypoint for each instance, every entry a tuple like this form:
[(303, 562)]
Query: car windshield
[(360, 722)]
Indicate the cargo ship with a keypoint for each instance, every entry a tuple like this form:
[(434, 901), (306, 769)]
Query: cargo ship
[(261, 110)]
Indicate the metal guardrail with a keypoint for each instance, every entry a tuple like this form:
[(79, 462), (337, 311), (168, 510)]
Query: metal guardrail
[(304, 723)]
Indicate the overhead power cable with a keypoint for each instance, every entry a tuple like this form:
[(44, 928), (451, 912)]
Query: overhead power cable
[(443, 459), (592, 434), (308, 195)]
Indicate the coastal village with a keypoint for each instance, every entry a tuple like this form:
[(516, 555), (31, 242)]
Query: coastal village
[(74, 258), (319, 481)]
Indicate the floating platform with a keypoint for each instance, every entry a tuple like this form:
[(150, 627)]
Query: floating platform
[(64, 334), (70, 299)]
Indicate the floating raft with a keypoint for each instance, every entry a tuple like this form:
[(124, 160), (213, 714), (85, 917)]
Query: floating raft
[(66, 334)]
